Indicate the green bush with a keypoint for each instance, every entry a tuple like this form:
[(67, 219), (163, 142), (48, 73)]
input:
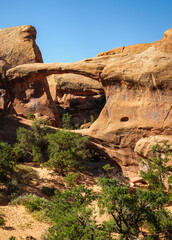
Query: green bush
[(67, 151), (12, 238), (8, 160), (157, 168), (108, 170), (35, 203), (30, 116), (14, 188), (71, 178), (92, 119), (2, 221), (73, 218), (67, 121), (39, 206), (131, 210), (33, 141)]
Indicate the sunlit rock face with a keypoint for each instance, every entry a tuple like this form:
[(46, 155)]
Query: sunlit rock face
[(18, 46), (138, 90)]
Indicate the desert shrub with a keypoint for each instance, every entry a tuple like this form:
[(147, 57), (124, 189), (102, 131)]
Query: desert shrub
[(73, 218), (67, 121), (14, 188), (33, 141), (39, 206), (30, 116), (45, 236), (25, 174), (132, 210), (77, 126), (67, 151), (157, 168), (8, 160), (2, 221), (135, 210), (170, 188), (108, 170), (12, 238), (34, 203), (71, 178), (21, 177), (92, 119)]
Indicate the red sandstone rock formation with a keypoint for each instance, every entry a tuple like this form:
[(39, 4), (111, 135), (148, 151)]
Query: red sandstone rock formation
[(137, 81)]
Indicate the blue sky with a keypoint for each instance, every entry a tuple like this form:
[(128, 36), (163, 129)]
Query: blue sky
[(72, 30)]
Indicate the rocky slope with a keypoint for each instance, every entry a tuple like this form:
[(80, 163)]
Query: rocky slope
[(137, 81)]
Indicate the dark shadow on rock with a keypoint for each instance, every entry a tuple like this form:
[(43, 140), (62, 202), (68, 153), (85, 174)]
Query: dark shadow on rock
[(8, 127)]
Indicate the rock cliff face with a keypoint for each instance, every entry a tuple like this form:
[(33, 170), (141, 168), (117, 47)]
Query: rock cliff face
[(137, 81), (18, 46)]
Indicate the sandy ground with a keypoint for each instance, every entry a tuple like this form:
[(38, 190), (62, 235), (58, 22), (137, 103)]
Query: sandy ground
[(19, 222)]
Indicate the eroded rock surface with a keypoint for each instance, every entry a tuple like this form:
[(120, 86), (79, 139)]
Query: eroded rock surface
[(18, 46), (144, 145), (78, 95)]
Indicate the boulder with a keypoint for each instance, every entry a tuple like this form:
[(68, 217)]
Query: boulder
[(18, 46), (144, 150), (144, 145)]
